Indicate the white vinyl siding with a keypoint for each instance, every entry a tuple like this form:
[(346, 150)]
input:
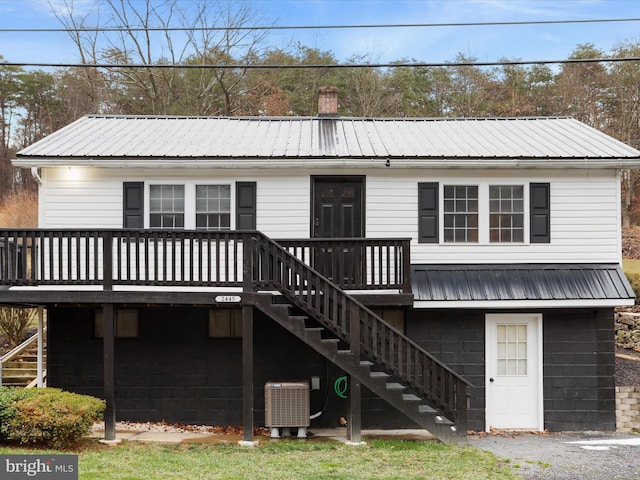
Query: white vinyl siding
[(584, 216), (585, 212)]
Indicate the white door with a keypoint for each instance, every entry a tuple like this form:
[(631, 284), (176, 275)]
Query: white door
[(513, 371)]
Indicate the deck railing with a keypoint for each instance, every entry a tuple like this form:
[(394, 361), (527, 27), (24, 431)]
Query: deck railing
[(185, 258), (356, 263), (365, 332)]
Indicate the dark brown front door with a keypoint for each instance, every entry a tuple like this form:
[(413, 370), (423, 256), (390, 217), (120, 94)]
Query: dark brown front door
[(338, 213), (337, 207)]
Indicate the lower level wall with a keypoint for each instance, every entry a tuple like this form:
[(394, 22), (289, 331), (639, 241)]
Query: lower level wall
[(578, 362), (172, 371)]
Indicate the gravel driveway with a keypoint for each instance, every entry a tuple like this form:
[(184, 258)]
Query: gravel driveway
[(567, 455)]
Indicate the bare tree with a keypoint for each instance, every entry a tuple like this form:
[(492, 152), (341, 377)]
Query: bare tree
[(623, 107), (143, 33), (582, 88), (86, 42)]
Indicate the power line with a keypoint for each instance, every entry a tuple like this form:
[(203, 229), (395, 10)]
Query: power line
[(312, 27), (322, 66)]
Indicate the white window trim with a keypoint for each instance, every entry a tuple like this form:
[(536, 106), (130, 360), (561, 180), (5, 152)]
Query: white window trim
[(483, 212), (189, 199)]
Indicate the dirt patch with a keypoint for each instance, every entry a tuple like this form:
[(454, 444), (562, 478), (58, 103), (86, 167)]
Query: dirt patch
[(180, 428)]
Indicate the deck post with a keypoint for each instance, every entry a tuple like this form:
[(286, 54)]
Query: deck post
[(406, 266), (109, 371), (247, 376), (40, 362), (354, 420), (107, 261)]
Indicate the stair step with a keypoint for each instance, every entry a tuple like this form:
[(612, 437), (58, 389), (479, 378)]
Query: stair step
[(15, 364), (396, 386), (344, 352), (330, 340), (379, 375), (410, 397), (426, 409), (9, 381), (440, 420), (19, 372), (366, 363)]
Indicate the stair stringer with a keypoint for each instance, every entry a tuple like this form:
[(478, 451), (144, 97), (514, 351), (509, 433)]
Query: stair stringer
[(398, 395)]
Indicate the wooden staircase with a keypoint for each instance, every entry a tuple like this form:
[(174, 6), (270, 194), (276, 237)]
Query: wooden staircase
[(355, 339), (20, 365)]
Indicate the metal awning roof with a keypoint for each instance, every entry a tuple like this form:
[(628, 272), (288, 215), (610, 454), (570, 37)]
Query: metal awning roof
[(523, 284), (281, 141)]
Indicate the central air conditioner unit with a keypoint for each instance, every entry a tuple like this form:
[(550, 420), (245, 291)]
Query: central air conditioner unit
[(286, 404)]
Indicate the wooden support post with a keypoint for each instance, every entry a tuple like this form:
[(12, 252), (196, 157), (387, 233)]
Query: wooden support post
[(247, 375), (108, 343), (107, 261), (406, 266), (354, 421), (40, 362)]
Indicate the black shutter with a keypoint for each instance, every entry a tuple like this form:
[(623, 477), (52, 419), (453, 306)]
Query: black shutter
[(428, 212), (245, 205), (540, 212), (133, 205)]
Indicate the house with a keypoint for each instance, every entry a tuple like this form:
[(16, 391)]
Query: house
[(448, 273)]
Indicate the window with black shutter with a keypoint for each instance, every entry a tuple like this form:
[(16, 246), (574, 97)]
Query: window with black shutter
[(428, 212), (540, 213), (133, 205), (245, 205)]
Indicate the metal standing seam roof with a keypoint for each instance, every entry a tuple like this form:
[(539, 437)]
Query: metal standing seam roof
[(114, 137), (519, 282)]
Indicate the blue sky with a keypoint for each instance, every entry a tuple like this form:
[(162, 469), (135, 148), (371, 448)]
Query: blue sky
[(433, 44)]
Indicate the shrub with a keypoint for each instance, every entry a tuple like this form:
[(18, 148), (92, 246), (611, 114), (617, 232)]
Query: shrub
[(48, 415), (8, 397)]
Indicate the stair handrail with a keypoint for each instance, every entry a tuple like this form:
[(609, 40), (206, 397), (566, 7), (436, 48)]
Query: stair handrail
[(18, 350), (34, 382), (274, 267)]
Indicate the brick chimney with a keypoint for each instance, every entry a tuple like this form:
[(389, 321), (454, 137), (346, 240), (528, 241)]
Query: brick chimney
[(328, 101)]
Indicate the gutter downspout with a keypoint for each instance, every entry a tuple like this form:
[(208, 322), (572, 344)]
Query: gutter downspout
[(36, 175)]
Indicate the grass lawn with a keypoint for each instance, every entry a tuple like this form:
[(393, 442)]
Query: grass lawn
[(631, 266), (397, 459)]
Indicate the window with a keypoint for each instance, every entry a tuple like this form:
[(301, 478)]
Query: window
[(484, 213), (225, 323), (213, 207), (393, 316), (506, 213), (166, 206), (126, 324), (512, 350), (461, 213)]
